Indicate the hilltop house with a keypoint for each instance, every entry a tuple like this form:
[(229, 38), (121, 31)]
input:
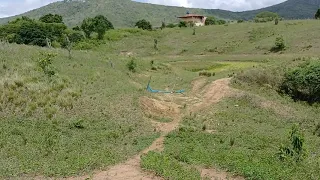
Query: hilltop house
[(198, 20)]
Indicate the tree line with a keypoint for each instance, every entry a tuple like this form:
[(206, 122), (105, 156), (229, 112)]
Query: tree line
[(51, 28)]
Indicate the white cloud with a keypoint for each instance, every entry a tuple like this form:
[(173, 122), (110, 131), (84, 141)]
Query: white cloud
[(234, 5), (10, 8)]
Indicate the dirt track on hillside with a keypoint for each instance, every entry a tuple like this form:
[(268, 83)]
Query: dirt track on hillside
[(202, 96)]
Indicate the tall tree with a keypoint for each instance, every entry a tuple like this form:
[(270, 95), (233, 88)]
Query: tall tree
[(317, 15), (101, 25), (87, 27), (51, 18), (144, 24)]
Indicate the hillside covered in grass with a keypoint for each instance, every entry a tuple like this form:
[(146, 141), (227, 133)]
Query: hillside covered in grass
[(126, 13), (91, 115)]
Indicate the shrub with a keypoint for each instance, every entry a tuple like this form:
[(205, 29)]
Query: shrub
[(276, 21), (294, 149), (303, 83), (163, 25), (210, 21), (221, 22), (44, 62), (240, 21), (131, 65), (182, 24), (279, 45), (208, 74), (171, 25), (144, 24)]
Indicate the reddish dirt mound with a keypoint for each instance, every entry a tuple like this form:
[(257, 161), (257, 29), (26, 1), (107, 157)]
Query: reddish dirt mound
[(159, 108), (213, 93)]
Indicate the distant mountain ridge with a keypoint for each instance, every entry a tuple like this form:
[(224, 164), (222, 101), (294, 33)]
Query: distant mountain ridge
[(124, 13)]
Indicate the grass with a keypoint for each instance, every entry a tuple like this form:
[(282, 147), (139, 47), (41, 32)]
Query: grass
[(88, 115), (168, 167), (246, 141)]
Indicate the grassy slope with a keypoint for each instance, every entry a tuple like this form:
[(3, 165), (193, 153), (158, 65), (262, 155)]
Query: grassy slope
[(108, 108), (125, 13)]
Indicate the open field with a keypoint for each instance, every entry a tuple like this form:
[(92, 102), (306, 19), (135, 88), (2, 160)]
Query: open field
[(94, 118)]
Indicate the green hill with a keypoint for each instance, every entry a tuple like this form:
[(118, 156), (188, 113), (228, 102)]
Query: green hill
[(125, 13)]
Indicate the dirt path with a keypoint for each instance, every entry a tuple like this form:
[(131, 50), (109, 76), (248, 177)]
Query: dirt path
[(202, 96)]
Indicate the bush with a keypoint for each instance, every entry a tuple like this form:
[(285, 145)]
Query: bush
[(171, 25), (144, 24), (210, 21), (303, 83), (131, 65), (295, 148), (279, 45), (44, 62), (182, 24), (240, 21), (221, 22), (208, 74)]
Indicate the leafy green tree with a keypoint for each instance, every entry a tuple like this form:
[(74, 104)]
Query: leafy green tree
[(51, 18), (87, 27), (31, 32), (100, 25), (144, 24), (210, 21), (317, 15), (266, 16)]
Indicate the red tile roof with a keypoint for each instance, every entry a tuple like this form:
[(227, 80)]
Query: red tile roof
[(191, 15)]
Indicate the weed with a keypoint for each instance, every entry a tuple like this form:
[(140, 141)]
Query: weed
[(168, 167), (44, 62), (295, 149), (208, 74), (279, 45), (131, 65), (232, 141)]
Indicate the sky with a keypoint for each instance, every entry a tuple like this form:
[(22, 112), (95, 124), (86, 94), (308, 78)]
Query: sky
[(14, 7)]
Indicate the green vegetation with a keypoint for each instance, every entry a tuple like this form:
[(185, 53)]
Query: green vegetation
[(279, 45), (296, 148), (98, 24), (303, 82), (317, 15), (144, 24), (213, 21), (266, 16), (62, 117), (168, 167), (51, 18)]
